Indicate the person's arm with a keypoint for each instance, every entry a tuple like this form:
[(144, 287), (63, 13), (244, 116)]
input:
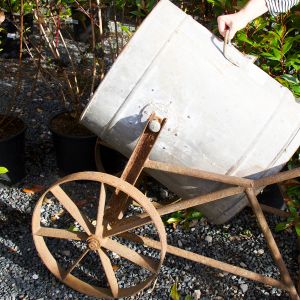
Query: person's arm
[(252, 10), (276, 7)]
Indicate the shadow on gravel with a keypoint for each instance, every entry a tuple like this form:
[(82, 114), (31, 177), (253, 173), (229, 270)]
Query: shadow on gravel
[(16, 240)]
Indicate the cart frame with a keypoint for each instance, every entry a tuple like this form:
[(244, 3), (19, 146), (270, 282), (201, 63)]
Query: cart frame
[(113, 223)]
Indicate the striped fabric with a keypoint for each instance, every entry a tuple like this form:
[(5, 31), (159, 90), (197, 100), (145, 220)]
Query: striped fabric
[(279, 6)]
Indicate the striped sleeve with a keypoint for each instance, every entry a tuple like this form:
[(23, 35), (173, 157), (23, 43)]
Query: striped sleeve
[(276, 7)]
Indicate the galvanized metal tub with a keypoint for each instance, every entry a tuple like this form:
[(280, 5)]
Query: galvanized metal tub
[(221, 118)]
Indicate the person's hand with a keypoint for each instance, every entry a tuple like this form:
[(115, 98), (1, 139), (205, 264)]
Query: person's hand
[(239, 20), (233, 23)]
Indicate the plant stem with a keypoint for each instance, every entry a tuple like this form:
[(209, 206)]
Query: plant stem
[(17, 89), (116, 26), (69, 56), (99, 3), (93, 48)]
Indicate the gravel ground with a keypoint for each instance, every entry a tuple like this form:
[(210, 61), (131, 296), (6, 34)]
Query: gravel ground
[(23, 275)]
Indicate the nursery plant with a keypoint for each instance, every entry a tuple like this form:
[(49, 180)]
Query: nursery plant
[(12, 128), (293, 205), (77, 76)]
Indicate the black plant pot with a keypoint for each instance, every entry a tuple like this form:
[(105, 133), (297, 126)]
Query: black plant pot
[(12, 156), (81, 25), (73, 153), (109, 160), (271, 196), (8, 35)]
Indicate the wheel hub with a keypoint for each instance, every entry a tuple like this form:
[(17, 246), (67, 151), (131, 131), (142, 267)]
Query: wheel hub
[(93, 243)]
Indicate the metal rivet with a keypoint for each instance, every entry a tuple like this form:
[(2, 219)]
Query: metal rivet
[(154, 126)]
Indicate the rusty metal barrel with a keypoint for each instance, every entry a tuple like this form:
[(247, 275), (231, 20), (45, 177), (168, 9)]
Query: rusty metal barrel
[(223, 118)]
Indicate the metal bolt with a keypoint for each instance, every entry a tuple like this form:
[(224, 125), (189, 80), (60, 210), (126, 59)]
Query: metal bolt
[(154, 126)]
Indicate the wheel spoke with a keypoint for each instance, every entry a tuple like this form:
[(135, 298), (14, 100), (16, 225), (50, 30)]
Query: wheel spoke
[(71, 207), (100, 214), (127, 224), (110, 274), (79, 259), (131, 255), (61, 234)]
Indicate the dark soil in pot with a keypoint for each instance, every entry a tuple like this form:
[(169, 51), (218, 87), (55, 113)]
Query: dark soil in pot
[(12, 149), (74, 144)]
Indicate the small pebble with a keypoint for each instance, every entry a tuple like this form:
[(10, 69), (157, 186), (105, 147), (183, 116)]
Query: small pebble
[(209, 239), (197, 295), (260, 251), (244, 288), (66, 252), (35, 276)]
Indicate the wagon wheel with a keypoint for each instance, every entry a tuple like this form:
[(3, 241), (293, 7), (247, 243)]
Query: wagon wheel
[(93, 238)]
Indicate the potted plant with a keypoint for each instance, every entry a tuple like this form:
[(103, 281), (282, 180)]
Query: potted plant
[(12, 128), (11, 12), (12, 153), (76, 78)]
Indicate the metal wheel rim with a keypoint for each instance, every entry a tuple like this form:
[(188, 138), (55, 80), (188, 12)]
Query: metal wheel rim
[(74, 282)]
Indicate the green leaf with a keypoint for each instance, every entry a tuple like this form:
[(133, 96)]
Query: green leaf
[(173, 220), (270, 56), (3, 170), (73, 228), (174, 292), (242, 37), (188, 297), (290, 78), (277, 53), (126, 29), (280, 30), (274, 35), (281, 226), (150, 5), (247, 233), (138, 13), (287, 46), (260, 23), (297, 228), (293, 211), (296, 89), (194, 215), (290, 219), (177, 214)]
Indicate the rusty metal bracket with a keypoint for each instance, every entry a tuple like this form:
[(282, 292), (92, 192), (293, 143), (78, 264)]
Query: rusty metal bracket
[(119, 201)]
